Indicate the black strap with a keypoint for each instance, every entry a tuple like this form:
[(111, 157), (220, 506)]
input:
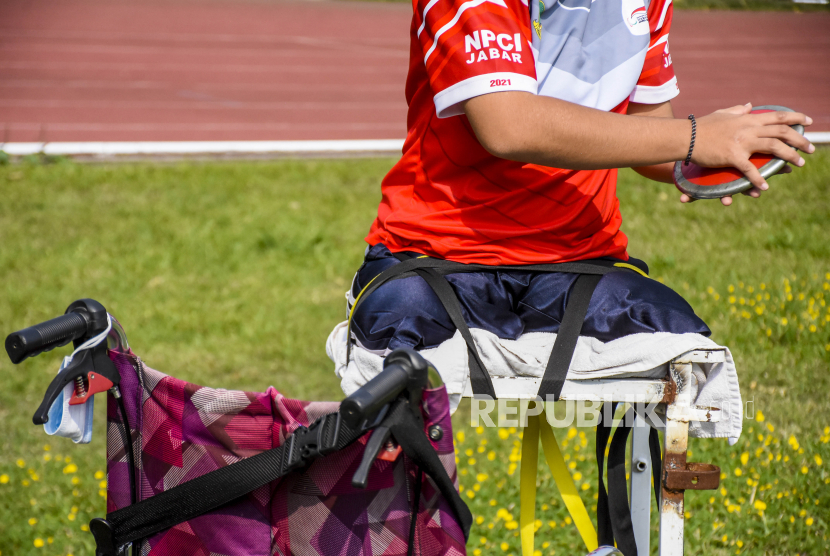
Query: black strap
[(415, 444), (613, 510), (620, 510), (407, 268), (656, 463), (416, 507), (563, 348), (605, 532), (217, 488), (479, 377)]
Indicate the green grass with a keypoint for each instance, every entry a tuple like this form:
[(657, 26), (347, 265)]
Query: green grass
[(232, 275)]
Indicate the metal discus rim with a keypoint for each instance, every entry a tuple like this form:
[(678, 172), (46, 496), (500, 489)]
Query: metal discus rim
[(739, 185)]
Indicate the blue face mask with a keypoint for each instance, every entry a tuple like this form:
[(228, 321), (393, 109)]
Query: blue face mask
[(70, 421)]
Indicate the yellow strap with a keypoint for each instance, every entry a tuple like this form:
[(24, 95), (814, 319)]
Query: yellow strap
[(537, 425), (527, 483), (567, 488), (632, 267)]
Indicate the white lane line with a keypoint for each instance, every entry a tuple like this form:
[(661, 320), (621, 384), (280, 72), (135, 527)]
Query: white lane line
[(115, 148), (818, 136)]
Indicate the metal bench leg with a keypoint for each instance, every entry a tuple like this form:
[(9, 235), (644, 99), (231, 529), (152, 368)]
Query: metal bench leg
[(640, 494), (674, 457)]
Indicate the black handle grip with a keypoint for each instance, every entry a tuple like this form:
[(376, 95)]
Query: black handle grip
[(403, 369), (45, 336), (84, 319)]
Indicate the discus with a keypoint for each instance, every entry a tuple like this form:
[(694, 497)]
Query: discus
[(713, 183)]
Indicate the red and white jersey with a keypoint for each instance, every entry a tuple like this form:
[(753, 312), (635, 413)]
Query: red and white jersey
[(448, 197)]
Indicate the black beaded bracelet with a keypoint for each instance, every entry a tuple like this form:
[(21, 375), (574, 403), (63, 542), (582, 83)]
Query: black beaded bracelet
[(692, 143)]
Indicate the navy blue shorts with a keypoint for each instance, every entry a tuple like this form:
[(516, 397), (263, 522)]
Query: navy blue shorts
[(406, 312)]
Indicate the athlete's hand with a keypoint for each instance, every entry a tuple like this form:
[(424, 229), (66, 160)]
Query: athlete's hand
[(727, 138)]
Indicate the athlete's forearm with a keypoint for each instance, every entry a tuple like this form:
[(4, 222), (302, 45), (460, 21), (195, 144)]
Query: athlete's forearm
[(657, 172), (551, 132)]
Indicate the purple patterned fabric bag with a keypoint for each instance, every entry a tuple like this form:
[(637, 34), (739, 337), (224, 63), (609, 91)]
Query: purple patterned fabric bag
[(182, 431)]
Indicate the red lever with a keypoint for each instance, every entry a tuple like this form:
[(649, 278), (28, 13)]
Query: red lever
[(95, 383)]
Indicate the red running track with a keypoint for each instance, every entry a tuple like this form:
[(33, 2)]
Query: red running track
[(170, 70)]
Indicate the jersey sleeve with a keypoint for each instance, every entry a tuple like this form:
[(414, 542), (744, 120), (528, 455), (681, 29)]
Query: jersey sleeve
[(474, 47), (657, 82)]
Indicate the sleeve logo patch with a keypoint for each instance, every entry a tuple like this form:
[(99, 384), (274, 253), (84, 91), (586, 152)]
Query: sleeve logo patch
[(635, 16), (487, 45)]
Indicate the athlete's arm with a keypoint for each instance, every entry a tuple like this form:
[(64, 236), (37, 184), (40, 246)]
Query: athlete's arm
[(657, 172), (543, 130)]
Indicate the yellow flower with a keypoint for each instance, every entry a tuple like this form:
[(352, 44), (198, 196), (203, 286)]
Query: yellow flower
[(568, 520), (512, 524), (480, 520), (577, 476), (99, 474), (804, 469), (74, 481), (744, 458), (38, 543), (491, 456), (71, 468), (32, 521), (724, 538), (84, 527), (760, 506), (759, 417), (809, 521), (802, 513), (21, 464), (460, 436), (552, 524), (739, 472), (4, 479), (47, 457), (818, 459), (503, 434), (477, 552), (50, 540), (71, 517), (504, 546), (784, 321), (739, 543)]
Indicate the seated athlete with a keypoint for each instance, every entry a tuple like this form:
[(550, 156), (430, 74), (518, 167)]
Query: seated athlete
[(518, 118)]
